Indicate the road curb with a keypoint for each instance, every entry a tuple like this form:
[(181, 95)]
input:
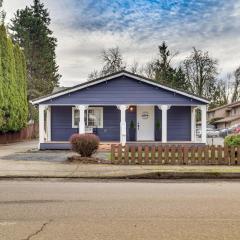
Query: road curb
[(149, 175)]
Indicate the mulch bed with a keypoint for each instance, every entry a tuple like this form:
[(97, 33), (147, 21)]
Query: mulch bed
[(85, 160)]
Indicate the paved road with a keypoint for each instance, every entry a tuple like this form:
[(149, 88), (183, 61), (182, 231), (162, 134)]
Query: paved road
[(119, 210)]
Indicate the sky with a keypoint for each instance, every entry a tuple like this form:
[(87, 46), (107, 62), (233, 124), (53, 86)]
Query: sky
[(85, 27)]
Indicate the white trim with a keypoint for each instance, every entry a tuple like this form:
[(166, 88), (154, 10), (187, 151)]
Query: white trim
[(193, 124), (204, 123), (123, 125), (41, 110), (112, 77), (86, 127), (48, 123), (73, 125), (128, 104), (164, 109)]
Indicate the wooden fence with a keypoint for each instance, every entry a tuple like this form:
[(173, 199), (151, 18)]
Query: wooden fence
[(29, 132), (175, 155)]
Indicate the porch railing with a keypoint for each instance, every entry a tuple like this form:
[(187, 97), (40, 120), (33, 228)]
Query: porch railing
[(174, 155)]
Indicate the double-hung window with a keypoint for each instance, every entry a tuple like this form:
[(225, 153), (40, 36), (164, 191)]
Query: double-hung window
[(93, 117)]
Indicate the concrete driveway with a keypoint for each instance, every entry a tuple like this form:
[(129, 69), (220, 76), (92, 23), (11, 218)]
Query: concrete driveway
[(19, 147), (28, 151)]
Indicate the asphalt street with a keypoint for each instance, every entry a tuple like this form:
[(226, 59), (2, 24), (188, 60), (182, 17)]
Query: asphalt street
[(124, 210)]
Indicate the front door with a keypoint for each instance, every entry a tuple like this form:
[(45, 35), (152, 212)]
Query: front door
[(145, 123)]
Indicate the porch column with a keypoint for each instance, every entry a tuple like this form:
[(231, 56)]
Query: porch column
[(49, 123), (164, 109), (81, 109), (41, 110), (193, 124), (123, 131), (204, 123)]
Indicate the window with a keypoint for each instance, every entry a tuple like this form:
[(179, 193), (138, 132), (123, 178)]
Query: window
[(93, 117), (234, 111)]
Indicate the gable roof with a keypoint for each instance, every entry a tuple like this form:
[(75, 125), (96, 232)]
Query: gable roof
[(227, 106), (110, 77)]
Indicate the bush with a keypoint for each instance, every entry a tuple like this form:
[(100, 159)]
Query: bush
[(232, 140), (84, 144)]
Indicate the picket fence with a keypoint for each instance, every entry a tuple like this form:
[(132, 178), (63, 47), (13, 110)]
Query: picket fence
[(174, 155)]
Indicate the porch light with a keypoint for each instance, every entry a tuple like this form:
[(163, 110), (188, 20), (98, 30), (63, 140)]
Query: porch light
[(131, 109)]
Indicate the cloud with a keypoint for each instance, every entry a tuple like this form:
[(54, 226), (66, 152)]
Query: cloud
[(83, 28)]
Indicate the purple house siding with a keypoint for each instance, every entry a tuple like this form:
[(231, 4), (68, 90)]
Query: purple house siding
[(179, 123), (123, 90), (61, 123), (111, 124)]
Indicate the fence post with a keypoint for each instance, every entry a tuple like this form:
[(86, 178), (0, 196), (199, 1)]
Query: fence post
[(232, 161), (185, 155), (112, 153), (159, 149), (140, 159), (238, 155), (119, 153), (133, 154), (153, 150), (146, 154)]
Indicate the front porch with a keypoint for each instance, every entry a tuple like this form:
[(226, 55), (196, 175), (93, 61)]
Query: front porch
[(106, 146), (152, 124)]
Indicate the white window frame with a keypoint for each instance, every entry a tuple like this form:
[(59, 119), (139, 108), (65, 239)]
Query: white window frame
[(89, 108)]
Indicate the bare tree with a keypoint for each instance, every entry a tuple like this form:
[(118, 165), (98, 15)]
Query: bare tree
[(112, 60), (201, 71), (149, 70), (236, 86), (93, 75), (134, 68)]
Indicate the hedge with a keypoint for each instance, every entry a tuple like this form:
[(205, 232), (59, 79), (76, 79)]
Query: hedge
[(13, 85)]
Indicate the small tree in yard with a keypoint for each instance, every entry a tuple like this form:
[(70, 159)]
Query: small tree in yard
[(84, 144)]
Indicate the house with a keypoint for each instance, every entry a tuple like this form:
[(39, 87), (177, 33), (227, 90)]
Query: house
[(225, 116), (112, 105)]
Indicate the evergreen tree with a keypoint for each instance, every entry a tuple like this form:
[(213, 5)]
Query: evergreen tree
[(30, 29), (2, 13), (13, 96), (164, 73)]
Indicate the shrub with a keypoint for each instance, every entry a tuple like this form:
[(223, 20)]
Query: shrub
[(84, 144), (232, 140)]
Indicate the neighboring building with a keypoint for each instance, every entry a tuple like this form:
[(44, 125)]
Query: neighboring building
[(110, 106), (225, 116)]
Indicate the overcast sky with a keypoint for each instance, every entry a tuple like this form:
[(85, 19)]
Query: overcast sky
[(84, 27)]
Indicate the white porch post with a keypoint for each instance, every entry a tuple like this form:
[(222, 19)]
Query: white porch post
[(81, 109), (49, 123), (41, 109), (123, 131), (164, 109), (193, 124), (204, 123)]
